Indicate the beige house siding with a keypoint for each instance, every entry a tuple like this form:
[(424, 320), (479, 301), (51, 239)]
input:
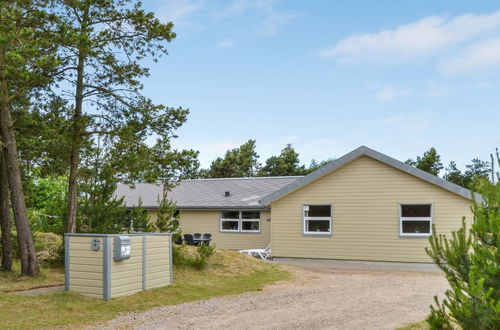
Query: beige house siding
[(209, 222), (85, 267), (365, 196)]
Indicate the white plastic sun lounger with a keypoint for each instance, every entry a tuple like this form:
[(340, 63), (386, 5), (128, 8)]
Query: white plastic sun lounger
[(261, 253)]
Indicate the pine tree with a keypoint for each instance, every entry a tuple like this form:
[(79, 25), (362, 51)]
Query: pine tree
[(286, 164), (429, 162), (470, 260), (168, 217), (27, 64)]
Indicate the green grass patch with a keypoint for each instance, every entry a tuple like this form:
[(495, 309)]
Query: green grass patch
[(228, 273), (422, 325)]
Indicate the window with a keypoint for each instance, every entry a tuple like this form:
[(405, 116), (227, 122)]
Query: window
[(250, 221), (240, 221), (317, 219), (415, 219)]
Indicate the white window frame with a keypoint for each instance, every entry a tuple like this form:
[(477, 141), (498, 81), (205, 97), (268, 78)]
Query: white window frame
[(305, 219), (401, 219), (240, 222)]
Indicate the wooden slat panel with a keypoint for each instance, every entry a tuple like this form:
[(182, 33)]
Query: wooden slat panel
[(75, 281)]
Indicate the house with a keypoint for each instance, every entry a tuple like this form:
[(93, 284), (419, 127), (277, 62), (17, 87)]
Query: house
[(362, 206)]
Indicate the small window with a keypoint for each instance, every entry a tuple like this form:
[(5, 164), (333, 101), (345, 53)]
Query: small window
[(230, 221), (240, 221), (250, 221), (415, 219), (317, 219)]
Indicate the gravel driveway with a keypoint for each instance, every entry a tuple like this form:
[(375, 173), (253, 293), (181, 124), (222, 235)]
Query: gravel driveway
[(319, 298)]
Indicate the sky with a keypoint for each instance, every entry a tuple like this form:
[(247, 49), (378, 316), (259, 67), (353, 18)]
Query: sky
[(329, 76)]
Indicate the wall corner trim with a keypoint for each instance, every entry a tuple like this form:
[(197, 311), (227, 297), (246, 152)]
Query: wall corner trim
[(106, 278), (66, 263), (171, 262)]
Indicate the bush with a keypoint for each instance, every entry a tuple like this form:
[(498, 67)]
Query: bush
[(198, 260)]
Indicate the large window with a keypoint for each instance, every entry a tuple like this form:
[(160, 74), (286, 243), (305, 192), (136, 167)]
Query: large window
[(240, 221), (415, 219), (318, 219)]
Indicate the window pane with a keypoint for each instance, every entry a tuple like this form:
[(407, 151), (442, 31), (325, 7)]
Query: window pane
[(250, 225), (319, 211), (229, 225), (416, 227), (230, 214), (418, 211), (250, 215), (318, 226)]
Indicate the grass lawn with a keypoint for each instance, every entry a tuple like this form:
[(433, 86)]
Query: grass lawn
[(228, 273), (13, 281)]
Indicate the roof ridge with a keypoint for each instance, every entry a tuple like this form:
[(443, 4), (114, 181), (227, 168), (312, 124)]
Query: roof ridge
[(220, 179)]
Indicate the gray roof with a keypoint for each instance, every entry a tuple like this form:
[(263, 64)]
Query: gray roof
[(245, 193), (365, 151)]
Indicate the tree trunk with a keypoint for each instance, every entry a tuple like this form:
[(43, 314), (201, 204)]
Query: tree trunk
[(29, 263), (75, 148), (5, 222)]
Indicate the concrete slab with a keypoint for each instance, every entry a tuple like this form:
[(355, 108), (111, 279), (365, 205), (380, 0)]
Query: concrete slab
[(360, 265), (40, 291)]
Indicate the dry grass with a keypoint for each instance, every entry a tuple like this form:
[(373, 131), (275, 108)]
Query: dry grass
[(229, 263), (228, 273), (13, 281)]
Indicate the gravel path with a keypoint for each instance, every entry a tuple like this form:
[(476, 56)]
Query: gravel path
[(319, 298)]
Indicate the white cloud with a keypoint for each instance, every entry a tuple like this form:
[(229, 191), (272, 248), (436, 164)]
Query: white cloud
[(481, 57), (226, 43), (405, 42), (178, 11), (408, 123)]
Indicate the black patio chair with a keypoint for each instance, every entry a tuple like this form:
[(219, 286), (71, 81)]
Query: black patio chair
[(179, 240), (197, 238), (188, 238), (207, 238)]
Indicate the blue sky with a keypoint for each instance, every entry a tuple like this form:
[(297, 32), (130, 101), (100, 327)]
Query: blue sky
[(329, 76)]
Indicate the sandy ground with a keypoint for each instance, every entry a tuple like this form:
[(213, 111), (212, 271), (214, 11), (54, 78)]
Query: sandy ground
[(319, 298)]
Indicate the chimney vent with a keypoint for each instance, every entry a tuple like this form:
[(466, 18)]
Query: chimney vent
[(227, 193)]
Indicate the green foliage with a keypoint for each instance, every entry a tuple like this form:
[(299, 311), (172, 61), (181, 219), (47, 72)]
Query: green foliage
[(105, 46), (286, 164), (470, 260), (100, 211), (429, 162), (477, 171), (317, 165), (438, 318), (238, 162), (46, 204), (168, 218), (140, 220)]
